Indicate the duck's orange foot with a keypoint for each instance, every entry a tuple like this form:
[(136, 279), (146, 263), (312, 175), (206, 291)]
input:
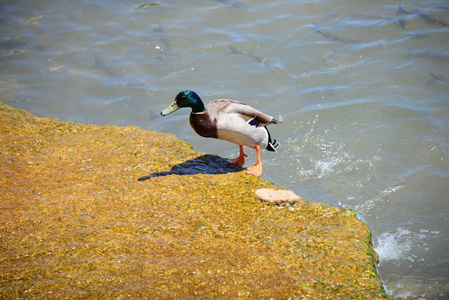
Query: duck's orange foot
[(239, 160), (255, 170)]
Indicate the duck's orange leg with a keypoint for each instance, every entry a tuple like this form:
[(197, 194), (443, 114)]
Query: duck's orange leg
[(256, 170), (239, 160)]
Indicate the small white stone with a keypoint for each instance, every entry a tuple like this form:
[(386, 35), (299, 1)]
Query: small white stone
[(277, 196)]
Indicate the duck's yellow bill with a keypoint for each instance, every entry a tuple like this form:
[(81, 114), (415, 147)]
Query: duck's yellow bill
[(171, 109)]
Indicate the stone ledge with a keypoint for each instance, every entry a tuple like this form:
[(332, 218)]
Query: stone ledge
[(78, 223)]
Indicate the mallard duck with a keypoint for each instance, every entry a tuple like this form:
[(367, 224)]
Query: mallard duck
[(228, 120)]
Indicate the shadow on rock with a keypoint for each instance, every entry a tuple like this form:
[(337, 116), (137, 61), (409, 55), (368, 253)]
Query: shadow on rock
[(206, 164)]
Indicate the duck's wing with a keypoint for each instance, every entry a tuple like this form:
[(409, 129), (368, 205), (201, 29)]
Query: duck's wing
[(227, 106)]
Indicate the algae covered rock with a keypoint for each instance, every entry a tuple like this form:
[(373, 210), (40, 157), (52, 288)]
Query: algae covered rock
[(120, 212)]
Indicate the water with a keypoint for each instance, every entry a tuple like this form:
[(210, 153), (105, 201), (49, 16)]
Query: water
[(365, 101)]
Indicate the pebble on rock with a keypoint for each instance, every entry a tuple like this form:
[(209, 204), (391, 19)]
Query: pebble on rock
[(274, 196)]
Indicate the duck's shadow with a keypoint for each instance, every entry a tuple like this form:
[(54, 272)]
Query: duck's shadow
[(206, 164)]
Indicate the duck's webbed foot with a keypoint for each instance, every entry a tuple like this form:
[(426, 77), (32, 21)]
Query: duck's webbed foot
[(240, 160), (256, 170)]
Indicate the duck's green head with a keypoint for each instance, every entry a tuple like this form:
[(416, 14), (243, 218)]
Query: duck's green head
[(185, 98)]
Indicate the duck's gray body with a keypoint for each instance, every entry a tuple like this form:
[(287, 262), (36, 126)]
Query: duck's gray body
[(235, 122)]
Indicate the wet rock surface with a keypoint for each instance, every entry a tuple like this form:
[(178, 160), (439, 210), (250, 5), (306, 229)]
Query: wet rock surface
[(119, 212)]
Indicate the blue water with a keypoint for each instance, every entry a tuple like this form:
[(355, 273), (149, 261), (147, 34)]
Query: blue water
[(363, 92)]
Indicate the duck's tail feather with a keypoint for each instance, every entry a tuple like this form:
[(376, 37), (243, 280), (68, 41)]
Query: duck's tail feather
[(272, 143)]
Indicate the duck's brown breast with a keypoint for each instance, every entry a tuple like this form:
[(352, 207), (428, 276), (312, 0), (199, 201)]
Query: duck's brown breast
[(203, 124)]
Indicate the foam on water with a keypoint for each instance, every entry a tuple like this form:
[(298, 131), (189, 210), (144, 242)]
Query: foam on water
[(397, 249), (398, 245)]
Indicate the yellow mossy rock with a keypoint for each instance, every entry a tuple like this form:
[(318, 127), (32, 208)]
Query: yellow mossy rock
[(121, 212)]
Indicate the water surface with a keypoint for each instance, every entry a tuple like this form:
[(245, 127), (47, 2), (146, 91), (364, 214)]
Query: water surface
[(363, 92)]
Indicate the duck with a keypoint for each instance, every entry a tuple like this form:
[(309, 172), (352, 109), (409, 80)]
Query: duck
[(229, 120)]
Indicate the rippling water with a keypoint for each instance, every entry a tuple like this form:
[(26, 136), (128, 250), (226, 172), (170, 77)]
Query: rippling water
[(363, 91)]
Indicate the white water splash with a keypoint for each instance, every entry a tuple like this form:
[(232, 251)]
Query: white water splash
[(398, 245)]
